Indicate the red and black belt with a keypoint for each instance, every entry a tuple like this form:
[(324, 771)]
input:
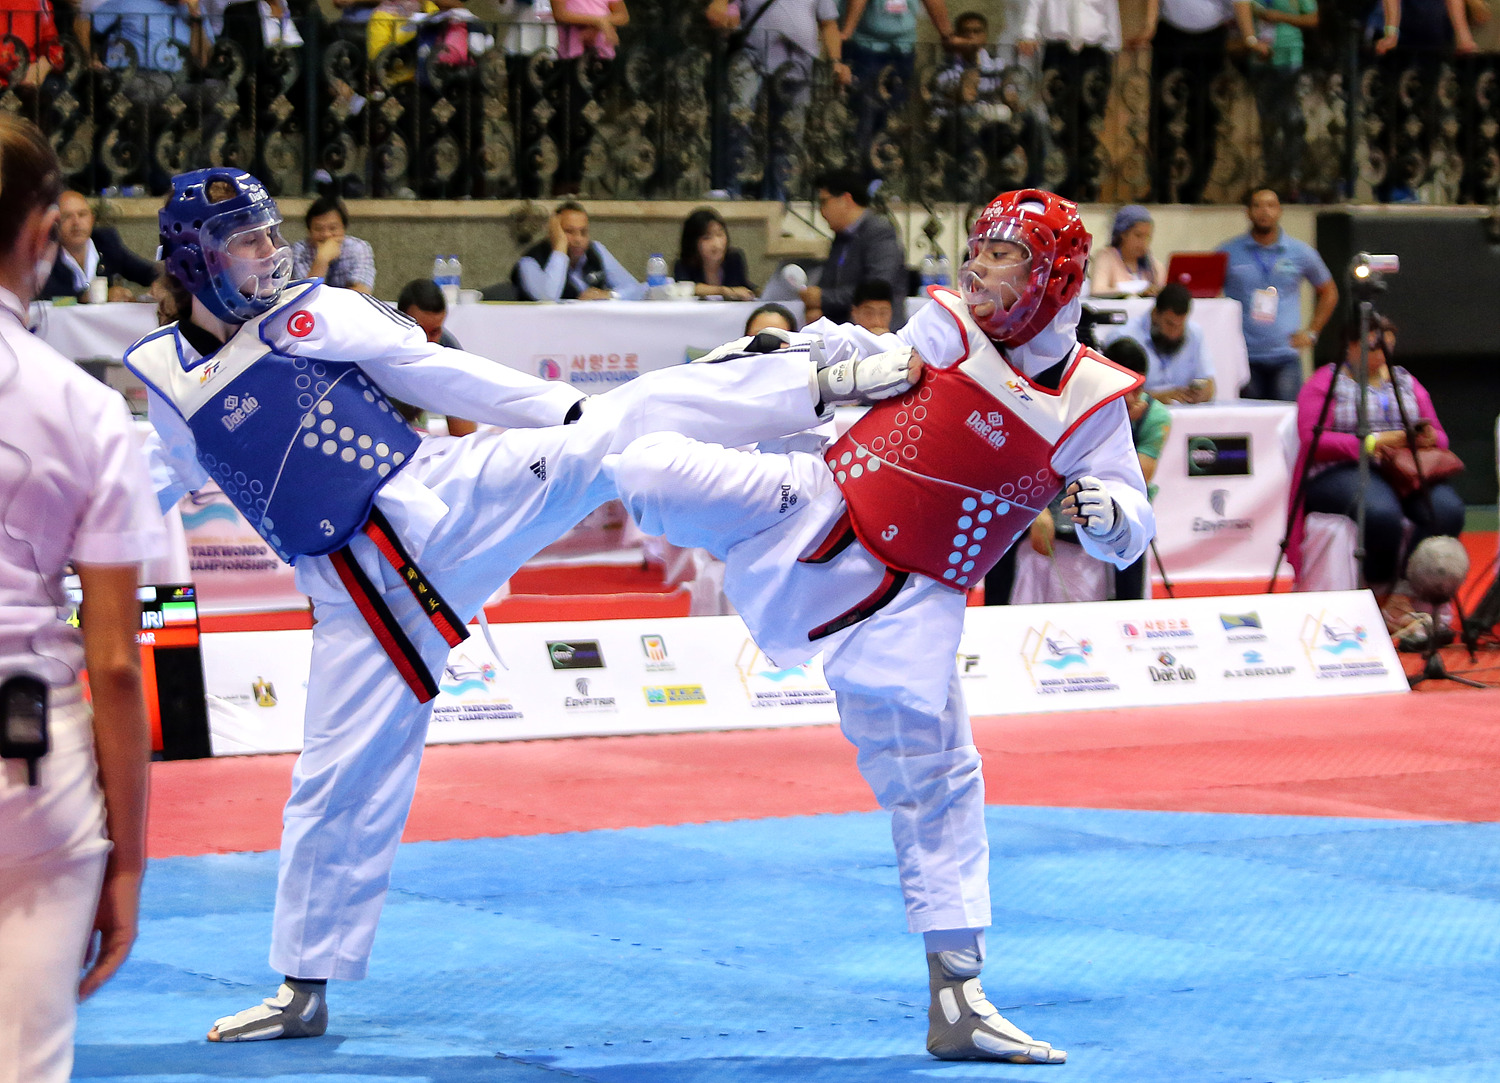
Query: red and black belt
[(839, 537), (378, 615)]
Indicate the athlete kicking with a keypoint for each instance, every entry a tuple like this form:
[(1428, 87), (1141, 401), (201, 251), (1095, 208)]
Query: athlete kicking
[(279, 392), (865, 551)]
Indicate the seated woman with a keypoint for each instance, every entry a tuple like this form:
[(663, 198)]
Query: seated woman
[(1333, 480), (1128, 257), (706, 259)]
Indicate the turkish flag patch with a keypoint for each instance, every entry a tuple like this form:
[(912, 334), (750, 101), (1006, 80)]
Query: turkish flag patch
[(301, 324)]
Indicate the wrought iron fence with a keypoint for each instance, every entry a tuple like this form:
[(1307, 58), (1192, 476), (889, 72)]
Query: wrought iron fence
[(449, 107)]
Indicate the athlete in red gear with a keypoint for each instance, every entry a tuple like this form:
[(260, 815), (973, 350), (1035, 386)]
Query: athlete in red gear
[(865, 552)]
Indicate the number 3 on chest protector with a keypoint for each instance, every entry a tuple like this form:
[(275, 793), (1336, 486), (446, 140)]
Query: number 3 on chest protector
[(326, 527), (889, 532)]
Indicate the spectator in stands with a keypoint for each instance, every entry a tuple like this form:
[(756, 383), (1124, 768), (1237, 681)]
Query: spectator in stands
[(1333, 480), (591, 26), (1127, 258), (864, 246), (770, 315), (28, 36), (880, 47), (1188, 51), (1079, 40), (330, 253), (1180, 369), (567, 265), (1275, 69), (872, 306), (706, 259), (87, 252), (1266, 272), (166, 36), (782, 41), (422, 300)]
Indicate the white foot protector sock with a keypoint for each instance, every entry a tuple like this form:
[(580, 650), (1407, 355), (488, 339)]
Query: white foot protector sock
[(963, 1025), (296, 1011)]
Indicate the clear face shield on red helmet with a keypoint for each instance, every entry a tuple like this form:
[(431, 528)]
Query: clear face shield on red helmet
[(249, 264), (1004, 278)]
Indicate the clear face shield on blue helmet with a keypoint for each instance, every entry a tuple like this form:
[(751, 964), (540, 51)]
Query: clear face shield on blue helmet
[(249, 264)]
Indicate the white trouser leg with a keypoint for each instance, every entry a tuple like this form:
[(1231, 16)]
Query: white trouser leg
[(52, 856), (708, 496), (925, 770)]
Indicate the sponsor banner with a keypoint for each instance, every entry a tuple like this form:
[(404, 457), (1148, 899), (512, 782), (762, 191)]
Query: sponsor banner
[(1185, 650), (580, 678), (1224, 476)]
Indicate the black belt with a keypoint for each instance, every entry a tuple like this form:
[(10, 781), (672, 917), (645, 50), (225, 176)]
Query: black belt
[(839, 537), (397, 645)]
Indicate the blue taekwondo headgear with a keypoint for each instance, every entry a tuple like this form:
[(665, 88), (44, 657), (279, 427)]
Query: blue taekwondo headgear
[(228, 253)]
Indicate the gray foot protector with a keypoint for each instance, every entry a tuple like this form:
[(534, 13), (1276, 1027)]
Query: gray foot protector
[(294, 1012), (963, 1025)]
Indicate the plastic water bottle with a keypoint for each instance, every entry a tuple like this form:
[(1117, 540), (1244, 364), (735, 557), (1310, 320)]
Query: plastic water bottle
[(455, 275), (656, 271), (929, 271), (944, 270), (449, 281), (439, 270)]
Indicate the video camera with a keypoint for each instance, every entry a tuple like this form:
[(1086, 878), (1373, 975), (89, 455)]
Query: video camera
[(1092, 316)]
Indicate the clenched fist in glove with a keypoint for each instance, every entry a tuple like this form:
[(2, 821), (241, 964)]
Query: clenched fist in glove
[(1091, 506), (860, 381)]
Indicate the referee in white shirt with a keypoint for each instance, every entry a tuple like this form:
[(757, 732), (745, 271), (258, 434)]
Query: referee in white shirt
[(73, 489), (1189, 46)]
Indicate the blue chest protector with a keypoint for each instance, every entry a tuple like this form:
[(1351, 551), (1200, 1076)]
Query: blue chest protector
[(301, 446)]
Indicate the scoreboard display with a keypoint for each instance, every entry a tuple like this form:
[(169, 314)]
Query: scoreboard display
[(171, 667)]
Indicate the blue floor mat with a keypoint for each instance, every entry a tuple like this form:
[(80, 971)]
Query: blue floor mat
[(1151, 945)]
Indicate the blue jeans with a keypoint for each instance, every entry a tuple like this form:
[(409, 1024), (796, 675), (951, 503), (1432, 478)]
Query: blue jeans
[(1279, 380), (1334, 491)]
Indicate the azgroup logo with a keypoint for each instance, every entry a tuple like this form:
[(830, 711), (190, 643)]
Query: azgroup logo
[(1257, 665), (674, 695)]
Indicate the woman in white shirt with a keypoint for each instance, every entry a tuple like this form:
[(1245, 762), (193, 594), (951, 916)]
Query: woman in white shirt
[(1128, 258), (73, 490)]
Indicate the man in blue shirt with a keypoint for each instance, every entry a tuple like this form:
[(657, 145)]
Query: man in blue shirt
[(1266, 270), (1178, 367), (568, 265)]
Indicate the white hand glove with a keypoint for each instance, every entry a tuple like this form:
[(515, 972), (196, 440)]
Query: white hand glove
[(869, 379), (1091, 506)]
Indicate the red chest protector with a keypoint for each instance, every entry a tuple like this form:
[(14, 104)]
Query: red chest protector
[(941, 481)]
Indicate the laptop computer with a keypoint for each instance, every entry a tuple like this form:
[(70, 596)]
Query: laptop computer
[(1203, 273)]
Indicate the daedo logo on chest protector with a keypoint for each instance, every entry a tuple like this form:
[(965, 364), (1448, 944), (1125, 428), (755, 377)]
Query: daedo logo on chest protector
[(990, 427), (237, 409)]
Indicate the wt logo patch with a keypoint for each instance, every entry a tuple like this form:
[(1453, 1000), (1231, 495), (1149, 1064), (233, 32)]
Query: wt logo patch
[(300, 324)]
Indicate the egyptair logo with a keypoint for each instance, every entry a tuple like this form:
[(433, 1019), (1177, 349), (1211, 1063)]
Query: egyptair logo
[(1217, 501)]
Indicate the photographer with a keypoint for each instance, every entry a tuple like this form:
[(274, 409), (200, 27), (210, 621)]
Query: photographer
[(72, 806), (1333, 479)]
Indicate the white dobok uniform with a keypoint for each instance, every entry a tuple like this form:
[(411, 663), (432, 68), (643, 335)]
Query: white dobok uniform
[(73, 487), (470, 511), (894, 673)]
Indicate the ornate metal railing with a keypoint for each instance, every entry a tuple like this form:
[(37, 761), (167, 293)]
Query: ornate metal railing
[(443, 109)]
